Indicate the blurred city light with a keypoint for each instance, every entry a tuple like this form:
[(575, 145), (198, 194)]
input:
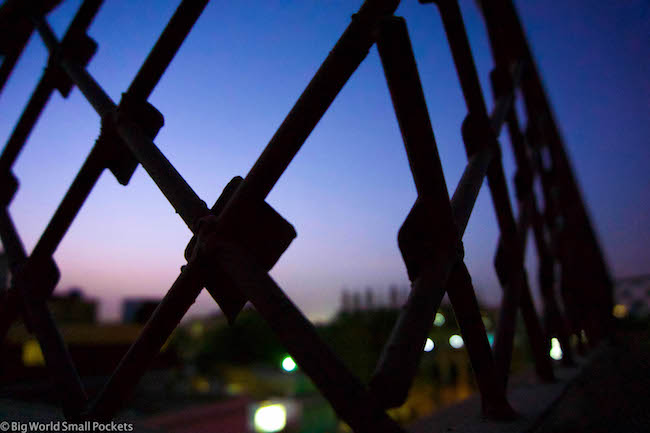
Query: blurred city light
[(490, 337), (288, 364), (556, 351), (32, 355), (620, 311), (200, 384), (428, 346), (196, 330), (456, 341), (271, 418), (439, 320)]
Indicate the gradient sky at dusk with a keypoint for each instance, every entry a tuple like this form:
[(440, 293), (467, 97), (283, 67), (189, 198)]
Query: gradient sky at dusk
[(349, 189)]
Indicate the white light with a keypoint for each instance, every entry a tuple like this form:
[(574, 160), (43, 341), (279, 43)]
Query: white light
[(270, 418), (456, 341), (428, 346), (556, 351), (439, 319), (288, 364)]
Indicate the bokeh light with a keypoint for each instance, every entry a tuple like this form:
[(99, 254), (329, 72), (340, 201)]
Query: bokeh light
[(271, 418), (288, 364), (556, 350), (620, 311), (456, 341)]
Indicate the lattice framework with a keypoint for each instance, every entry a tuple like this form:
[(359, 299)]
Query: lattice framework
[(239, 239)]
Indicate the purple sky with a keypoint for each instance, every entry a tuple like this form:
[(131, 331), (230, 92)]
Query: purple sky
[(349, 189)]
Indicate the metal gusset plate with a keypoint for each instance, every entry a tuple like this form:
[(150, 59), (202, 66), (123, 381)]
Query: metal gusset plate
[(76, 46), (260, 230), (479, 134), (120, 160), (429, 241)]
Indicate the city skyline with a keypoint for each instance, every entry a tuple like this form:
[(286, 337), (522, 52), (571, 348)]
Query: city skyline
[(349, 189)]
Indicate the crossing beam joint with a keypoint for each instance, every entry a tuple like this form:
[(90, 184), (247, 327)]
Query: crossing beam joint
[(121, 162), (478, 135), (78, 48), (259, 229), (37, 278), (8, 188), (427, 236)]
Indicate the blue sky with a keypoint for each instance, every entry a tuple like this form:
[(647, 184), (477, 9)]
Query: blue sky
[(349, 189)]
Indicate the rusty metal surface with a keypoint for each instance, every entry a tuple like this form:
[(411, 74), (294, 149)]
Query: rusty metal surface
[(232, 261)]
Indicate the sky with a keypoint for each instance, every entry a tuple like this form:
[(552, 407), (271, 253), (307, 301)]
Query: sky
[(349, 189)]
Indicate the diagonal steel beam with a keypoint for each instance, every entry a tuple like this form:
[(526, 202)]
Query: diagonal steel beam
[(529, 217), (51, 79), (433, 269), (350, 399), (167, 45), (340, 64), (42, 324), (476, 132), (182, 197), (581, 254), (17, 29)]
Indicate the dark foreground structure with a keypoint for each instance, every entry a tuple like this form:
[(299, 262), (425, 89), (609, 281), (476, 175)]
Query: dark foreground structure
[(239, 239)]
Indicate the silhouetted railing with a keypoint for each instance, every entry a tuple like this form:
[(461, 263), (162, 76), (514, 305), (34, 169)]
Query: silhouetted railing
[(241, 237)]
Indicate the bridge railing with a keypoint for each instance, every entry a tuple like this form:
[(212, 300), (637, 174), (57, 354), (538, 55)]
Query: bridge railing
[(239, 239)]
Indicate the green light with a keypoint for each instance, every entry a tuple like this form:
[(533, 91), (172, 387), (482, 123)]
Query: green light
[(288, 364), (490, 338), (439, 320)]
